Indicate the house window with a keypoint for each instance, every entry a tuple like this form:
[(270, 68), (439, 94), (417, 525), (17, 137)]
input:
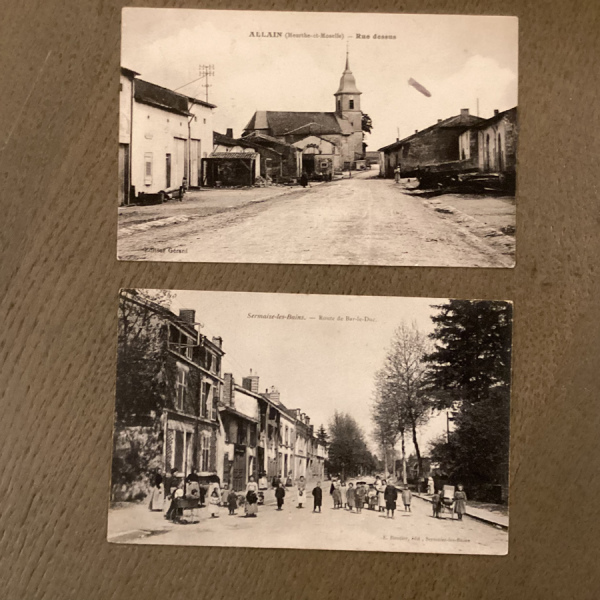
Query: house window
[(148, 168), (181, 386), (205, 452), (215, 404), (351, 103), (204, 395), (181, 343), (209, 362)]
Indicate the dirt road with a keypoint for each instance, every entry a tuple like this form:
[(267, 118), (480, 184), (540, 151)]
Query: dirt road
[(362, 220)]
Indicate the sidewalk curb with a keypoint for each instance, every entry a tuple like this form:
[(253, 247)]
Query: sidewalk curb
[(477, 518)]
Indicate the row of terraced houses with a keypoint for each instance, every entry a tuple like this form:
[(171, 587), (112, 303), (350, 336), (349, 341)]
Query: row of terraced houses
[(208, 420)]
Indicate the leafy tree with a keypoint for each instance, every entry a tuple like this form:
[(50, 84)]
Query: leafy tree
[(143, 376), (469, 371), (400, 397), (367, 123), (348, 452), (472, 351), (144, 386), (322, 436)]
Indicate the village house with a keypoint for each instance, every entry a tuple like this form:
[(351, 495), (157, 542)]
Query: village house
[(240, 162), (181, 430), (169, 134), (426, 150), (127, 77), (240, 417), (321, 136)]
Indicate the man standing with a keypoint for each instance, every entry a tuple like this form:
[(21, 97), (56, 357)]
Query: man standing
[(318, 497), (280, 495), (391, 495), (397, 174)]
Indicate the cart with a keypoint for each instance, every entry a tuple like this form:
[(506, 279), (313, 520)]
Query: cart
[(447, 502)]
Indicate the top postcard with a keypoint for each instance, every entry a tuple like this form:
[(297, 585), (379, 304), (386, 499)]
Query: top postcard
[(317, 138)]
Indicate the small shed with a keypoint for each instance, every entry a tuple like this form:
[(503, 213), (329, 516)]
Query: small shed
[(230, 169)]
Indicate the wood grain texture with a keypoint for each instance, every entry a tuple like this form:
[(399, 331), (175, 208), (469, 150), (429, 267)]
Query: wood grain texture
[(59, 278)]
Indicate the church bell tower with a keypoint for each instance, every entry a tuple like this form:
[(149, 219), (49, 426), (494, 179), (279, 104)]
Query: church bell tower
[(347, 98), (347, 107)]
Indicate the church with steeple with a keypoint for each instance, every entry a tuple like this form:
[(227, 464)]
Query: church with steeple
[(337, 135)]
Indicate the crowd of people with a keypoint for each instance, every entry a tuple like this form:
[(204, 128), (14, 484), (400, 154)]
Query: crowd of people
[(172, 493)]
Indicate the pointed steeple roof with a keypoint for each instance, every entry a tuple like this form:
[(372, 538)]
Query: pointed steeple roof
[(347, 81)]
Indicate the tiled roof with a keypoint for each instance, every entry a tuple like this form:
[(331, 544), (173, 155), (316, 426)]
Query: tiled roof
[(160, 97), (458, 121), (281, 123)]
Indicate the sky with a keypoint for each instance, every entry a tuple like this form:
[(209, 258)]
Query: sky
[(462, 60), (317, 365)]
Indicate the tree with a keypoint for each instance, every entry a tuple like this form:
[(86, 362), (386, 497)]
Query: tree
[(322, 436), (142, 373), (469, 370), (367, 123), (348, 452), (144, 386), (401, 398), (472, 351)]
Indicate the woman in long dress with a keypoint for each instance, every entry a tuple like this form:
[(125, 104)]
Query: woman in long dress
[(157, 493), (350, 497), (460, 502), (251, 498), (381, 494)]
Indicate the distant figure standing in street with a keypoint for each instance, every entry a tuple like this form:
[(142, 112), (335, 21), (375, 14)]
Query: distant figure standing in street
[(360, 496), (397, 174), (344, 492), (317, 496), (301, 491), (337, 495), (157, 493), (436, 503), (381, 495), (280, 495), (406, 498), (232, 502), (304, 179), (430, 486), (214, 501), (460, 502), (391, 495), (351, 497), (251, 498)]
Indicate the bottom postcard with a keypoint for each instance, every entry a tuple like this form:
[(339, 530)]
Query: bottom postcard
[(311, 421)]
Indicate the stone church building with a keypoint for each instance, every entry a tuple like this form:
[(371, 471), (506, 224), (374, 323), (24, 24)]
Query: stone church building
[(337, 135)]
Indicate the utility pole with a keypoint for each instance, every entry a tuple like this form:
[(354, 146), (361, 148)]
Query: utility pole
[(206, 71)]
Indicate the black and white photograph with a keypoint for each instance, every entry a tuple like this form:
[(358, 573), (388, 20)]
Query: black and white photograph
[(326, 422), (317, 138)]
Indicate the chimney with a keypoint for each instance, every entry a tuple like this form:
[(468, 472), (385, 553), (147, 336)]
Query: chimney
[(464, 112), (439, 120), (496, 111), (416, 131), (187, 315), (228, 391), (229, 133), (217, 341), (250, 383)]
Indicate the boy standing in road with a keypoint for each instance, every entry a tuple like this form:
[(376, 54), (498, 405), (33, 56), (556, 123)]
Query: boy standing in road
[(318, 497)]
